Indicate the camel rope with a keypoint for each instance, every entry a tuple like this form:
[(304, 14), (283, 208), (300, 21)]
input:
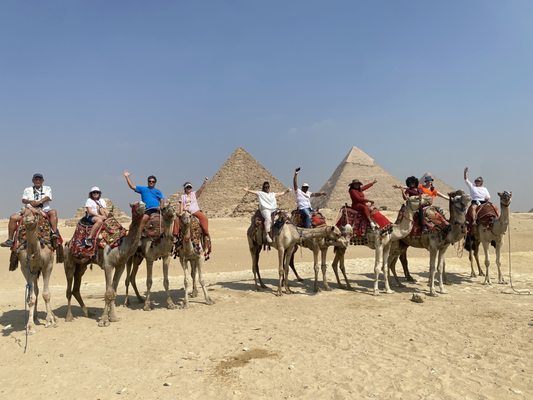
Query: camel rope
[(517, 291)]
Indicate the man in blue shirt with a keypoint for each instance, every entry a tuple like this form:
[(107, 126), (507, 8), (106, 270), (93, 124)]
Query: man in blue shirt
[(150, 196)]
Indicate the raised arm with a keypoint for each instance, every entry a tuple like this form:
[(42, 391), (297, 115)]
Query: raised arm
[(465, 174), (442, 195), (295, 179), (282, 193), (201, 189), (249, 191), (128, 180)]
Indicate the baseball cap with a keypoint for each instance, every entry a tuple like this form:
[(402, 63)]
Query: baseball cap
[(38, 175)]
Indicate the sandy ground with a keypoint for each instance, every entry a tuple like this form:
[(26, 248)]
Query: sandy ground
[(476, 342)]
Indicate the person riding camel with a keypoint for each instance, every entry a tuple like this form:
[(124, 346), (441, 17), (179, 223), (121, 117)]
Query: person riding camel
[(303, 199), (189, 202), (427, 188), (478, 193), (36, 199), (359, 202), (412, 189), (150, 196), (267, 205), (95, 214)]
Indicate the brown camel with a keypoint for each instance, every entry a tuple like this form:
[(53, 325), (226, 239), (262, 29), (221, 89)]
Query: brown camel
[(436, 243), (318, 240), (151, 250), (191, 252), (111, 260), (491, 233), (36, 258), (380, 242), (256, 243)]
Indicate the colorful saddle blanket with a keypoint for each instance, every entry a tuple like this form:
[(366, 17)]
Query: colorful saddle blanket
[(317, 219), (486, 214), (435, 221), (153, 228), (44, 233), (110, 234), (359, 222)]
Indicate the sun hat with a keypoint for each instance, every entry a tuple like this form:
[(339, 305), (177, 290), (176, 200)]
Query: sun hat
[(95, 189), (305, 185), (355, 182)]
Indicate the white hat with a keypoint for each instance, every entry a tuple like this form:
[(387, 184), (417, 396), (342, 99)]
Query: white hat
[(95, 189), (305, 185)]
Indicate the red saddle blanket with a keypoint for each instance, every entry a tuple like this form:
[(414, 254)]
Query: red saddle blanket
[(110, 234), (44, 233), (153, 228), (486, 214), (435, 221), (317, 219), (359, 222)]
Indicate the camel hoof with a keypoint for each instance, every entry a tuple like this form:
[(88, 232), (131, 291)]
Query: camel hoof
[(103, 323), (473, 275), (502, 282), (410, 279), (376, 293), (31, 331), (443, 291), (327, 288), (433, 294), (171, 305), (209, 302), (114, 318), (263, 286), (194, 293), (184, 306), (69, 318), (300, 279), (389, 291), (126, 302), (316, 289)]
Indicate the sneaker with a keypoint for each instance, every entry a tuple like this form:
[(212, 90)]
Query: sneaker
[(269, 239), (88, 243), (7, 243)]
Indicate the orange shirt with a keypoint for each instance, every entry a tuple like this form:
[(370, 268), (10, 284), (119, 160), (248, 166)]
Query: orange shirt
[(428, 190)]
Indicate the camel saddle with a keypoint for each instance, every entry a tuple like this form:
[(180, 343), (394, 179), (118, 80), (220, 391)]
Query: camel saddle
[(153, 228), (109, 234), (360, 224), (277, 222), (317, 219), (198, 239), (434, 218), (44, 233), (485, 216)]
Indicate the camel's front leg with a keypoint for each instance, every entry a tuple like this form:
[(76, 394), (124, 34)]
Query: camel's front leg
[(136, 262), (324, 266), (51, 319), (69, 274), (487, 262), (149, 280), (254, 252), (32, 291), (281, 271), (78, 274), (501, 280), (378, 259), (109, 296), (315, 269), (393, 258), (184, 265), (476, 257), (471, 259), (194, 268), (286, 258), (432, 260), (170, 303), (199, 267), (440, 268), (385, 264)]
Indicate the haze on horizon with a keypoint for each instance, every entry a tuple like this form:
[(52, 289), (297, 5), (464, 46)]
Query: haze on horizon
[(89, 89)]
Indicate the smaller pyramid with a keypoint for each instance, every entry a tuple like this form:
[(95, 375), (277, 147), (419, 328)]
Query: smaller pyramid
[(120, 215), (224, 196)]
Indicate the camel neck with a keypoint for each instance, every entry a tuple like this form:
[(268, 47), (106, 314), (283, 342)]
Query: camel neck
[(404, 227), (501, 224)]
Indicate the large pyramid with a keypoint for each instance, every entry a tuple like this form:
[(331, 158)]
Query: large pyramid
[(120, 215), (359, 165), (224, 197)]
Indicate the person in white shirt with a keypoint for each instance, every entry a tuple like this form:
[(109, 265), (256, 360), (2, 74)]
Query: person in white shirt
[(478, 193), (267, 205), (303, 199), (96, 213), (36, 198)]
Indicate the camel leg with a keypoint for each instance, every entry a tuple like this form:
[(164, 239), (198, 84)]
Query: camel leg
[(127, 281), (432, 259), (440, 269), (199, 267), (338, 260), (315, 269), (293, 267), (385, 268), (255, 252), (185, 267), (51, 319), (487, 262), (377, 267), (134, 269), (471, 259), (281, 271), (335, 267), (286, 257), (324, 266), (69, 274), (78, 274), (476, 257), (498, 262), (149, 280), (119, 269), (444, 276), (108, 297), (392, 268), (170, 303), (31, 299), (405, 266), (194, 292)]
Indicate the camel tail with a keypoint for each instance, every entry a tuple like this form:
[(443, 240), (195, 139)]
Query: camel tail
[(13, 261)]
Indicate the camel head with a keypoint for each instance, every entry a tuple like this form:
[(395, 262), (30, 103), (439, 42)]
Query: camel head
[(30, 220), (347, 231), (167, 210), (137, 210), (282, 216), (333, 234), (185, 218), (505, 198), (459, 201)]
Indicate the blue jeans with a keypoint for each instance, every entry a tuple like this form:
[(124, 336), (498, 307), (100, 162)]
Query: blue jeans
[(306, 215)]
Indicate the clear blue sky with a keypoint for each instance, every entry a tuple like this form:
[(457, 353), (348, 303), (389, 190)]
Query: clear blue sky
[(171, 88)]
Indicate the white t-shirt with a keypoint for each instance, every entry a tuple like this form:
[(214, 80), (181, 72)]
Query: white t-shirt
[(31, 193), (303, 199), (93, 205), (267, 201), (477, 193)]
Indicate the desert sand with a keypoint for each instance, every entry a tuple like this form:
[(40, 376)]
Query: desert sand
[(475, 342)]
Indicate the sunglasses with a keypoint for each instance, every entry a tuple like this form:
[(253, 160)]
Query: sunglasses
[(151, 181), (96, 192)]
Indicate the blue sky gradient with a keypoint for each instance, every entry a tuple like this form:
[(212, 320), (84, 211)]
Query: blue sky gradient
[(171, 88)]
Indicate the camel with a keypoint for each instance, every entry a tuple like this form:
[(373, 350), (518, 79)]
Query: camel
[(318, 240), (191, 253), (380, 242), (287, 237), (491, 234), (111, 260), (151, 251), (436, 243), (36, 258)]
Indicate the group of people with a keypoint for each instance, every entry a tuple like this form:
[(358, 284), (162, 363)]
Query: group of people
[(37, 199)]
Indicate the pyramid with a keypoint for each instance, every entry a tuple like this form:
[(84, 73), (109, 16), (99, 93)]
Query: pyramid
[(224, 196), (120, 215), (359, 165)]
